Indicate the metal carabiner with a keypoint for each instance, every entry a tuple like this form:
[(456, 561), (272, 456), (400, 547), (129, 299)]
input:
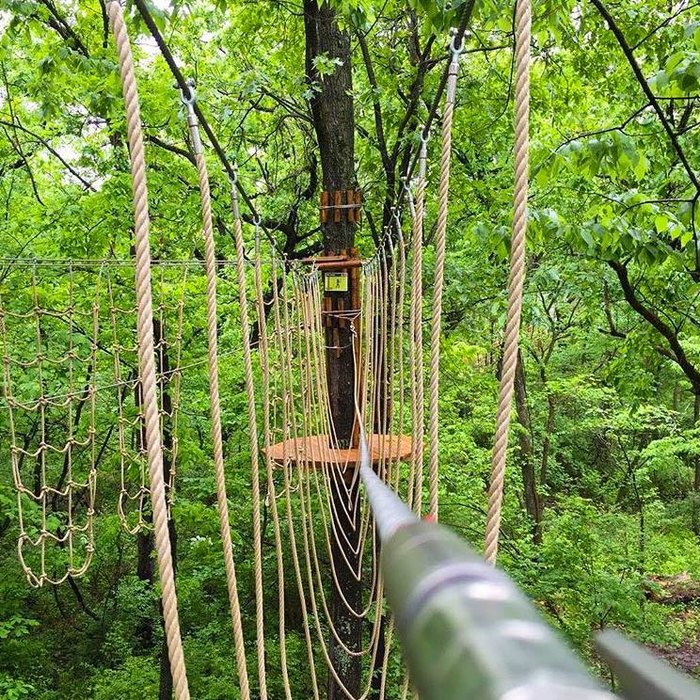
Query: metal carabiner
[(423, 135), (189, 100), (233, 176), (192, 120), (257, 221), (456, 50)]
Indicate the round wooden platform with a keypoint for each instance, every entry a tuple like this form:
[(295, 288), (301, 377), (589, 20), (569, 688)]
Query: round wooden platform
[(315, 451)]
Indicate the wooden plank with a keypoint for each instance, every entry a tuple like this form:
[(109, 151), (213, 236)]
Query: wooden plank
[(351, 209), (324, 207), (337, 211), (341, 308), (316, 451)]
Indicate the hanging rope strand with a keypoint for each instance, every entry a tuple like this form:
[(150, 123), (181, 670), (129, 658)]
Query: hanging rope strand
[(147, 369), (416, 206), (523, 21), (214, 400), (253, 434), (440, 235)]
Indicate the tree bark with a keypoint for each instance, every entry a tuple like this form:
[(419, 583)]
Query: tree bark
[(145, 563), (527, 456), (334, 124), (696, 476)]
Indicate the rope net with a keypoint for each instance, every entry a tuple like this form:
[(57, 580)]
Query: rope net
[(73, 402), (75, 424), (51, 401)]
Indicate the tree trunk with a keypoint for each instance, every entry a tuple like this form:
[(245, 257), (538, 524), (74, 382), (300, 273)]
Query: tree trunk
[(333, 116), (145, 563), (527, 457), (696, 479), (547, 443)]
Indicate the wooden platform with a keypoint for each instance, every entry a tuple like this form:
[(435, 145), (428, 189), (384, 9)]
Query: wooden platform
[(315, 451)]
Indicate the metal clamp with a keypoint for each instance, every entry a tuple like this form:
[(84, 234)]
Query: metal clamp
[(189, 101), (456, 50), (233, 177), (423, 135), (423, 154), (454, 66)]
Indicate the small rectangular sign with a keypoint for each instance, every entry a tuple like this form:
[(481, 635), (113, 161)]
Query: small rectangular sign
[(335, 281)]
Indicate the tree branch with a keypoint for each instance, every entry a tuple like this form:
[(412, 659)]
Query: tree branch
[(182, 152), (679, 354), (629, 55), (376, 106), (57, 22), (668, 20), (18, 126)]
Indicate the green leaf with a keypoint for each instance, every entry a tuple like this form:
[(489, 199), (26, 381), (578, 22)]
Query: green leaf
[(661, 223)]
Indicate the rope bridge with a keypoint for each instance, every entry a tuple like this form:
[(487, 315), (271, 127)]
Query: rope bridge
[(96, 376)]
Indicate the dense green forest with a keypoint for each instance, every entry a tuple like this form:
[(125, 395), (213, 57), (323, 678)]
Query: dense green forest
[(601, 521)]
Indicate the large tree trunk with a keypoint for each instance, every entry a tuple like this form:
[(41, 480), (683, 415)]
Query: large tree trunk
[(527, 456), (696, 477), (145, 564), (332, 108)]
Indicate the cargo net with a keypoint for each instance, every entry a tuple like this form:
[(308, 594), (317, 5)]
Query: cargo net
[(73, 400)]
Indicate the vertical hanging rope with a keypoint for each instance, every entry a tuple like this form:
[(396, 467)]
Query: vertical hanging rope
[(147, 371), (440, 234), (253, 428), (264, 359), (417, 207), (523, 21), (214, 400)]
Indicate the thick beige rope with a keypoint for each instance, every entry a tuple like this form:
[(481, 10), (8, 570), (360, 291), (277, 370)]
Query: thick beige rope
[(253, 435), (517, 275), (417, 206), (440, 235), (264, 359), (147, 369), (215, 402)]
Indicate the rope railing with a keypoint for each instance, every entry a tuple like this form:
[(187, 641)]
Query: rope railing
[(523, 21)]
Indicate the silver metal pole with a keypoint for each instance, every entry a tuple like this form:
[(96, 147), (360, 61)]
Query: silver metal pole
[(467, 631)]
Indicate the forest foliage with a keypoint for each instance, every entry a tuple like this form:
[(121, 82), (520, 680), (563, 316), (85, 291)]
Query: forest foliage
[(602, 506)]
